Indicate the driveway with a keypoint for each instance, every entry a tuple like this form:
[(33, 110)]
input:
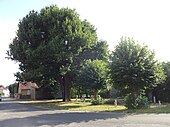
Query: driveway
[(13, 114)]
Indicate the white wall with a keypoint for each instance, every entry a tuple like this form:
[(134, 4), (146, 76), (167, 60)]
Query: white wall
[(6, 93)]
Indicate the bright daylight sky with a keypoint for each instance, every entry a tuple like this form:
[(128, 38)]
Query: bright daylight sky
[(147, 21)]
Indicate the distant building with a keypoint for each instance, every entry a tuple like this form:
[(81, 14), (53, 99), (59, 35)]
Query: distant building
[(27, 90), (5, 91)]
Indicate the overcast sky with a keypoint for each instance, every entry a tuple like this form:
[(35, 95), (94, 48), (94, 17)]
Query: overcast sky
[(147, 21)]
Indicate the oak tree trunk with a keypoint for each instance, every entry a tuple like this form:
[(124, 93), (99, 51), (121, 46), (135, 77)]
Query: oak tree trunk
[(66, 88)]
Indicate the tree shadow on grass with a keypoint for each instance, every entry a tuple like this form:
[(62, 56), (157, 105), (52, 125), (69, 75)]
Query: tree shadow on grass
[(59, 105), (60, 118), (21, 115)]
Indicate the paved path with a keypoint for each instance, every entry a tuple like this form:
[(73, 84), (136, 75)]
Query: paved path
[(13, 114)]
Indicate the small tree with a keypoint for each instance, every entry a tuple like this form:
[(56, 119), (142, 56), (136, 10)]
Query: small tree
[(99, 51), (13, 89), (134, 68), (93, 76)]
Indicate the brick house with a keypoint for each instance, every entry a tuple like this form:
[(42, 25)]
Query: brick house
[(27, 90)]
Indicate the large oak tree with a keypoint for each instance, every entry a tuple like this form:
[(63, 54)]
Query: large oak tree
[(49, 46)]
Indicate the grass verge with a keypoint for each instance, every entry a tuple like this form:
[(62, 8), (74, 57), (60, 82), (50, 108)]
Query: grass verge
[(75, 106), (87, 106), (152, 109)]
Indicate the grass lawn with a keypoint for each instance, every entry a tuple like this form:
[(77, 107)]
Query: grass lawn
[(86, 106), (153, 109), (75, 106)]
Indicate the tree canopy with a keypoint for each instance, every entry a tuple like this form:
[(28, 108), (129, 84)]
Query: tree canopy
[(93, 76), (49, 44), (162, 92), (134, 67)]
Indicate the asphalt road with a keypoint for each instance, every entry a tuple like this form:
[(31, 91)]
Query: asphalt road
[(13, 114)]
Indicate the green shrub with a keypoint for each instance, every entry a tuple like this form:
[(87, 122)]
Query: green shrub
[(1, 93), (97, 101), (138, 102), (142, 102), (129, 101)]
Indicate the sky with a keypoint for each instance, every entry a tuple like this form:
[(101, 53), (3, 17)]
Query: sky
[(147, 21)]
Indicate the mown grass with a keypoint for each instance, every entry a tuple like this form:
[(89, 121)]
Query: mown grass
[(87, 106), (76, 106), (152, 109)]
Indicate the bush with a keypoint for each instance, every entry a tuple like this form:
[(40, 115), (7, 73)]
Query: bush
[(132, 102), (142, 102), (97, 101), (1, 93), (129, 101)]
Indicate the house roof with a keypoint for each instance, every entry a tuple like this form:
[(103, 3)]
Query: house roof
[(3, 88), (27, 85)]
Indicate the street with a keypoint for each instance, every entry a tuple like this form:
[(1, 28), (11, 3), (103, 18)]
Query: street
[(13, 114)]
